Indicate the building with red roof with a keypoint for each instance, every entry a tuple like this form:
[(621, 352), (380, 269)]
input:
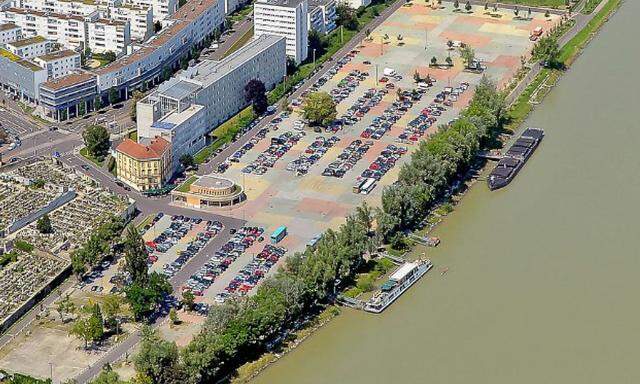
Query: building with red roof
[(144, 167)]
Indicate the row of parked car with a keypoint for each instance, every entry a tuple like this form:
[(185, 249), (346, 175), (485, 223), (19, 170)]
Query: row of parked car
[(249, 276), (279, 146), (383, 123), (202, 238), (312, 154), (383, 163), (241, 239), (347, 85), (178, 228), (370, 99), (348, 158)]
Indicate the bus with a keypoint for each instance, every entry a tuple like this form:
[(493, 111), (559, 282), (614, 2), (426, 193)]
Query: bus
[(368, 186), (278, 234)]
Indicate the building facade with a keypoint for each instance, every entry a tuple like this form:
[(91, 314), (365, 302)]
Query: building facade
[(9, 32), (185, 108), (105, 35), (20, 77), (286, 18), (322, 15), (61, 98), (144, 167), (30, 47), (162, 9), (59, 63), (209, 191)]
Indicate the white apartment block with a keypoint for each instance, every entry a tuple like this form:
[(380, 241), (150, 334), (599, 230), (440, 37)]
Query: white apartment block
[(355, 4), (106, 35), (185, 108), (59, 63), (162, 9), (30, 47), (140, 20), (286, 18), (9, 33), (72, 31)]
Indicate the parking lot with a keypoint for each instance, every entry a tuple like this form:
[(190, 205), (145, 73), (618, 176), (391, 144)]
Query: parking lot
[(310, 185)]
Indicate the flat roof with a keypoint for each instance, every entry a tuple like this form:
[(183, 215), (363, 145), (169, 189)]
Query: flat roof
[(179, 90), (281, 3), (403, 271), (68, 80), (44, 14), (208, 71), (8, 27), (28, 41), (213, 182), (58, 55), (177, 118)]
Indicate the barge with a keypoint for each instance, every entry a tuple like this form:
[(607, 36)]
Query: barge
[(515, 158), (403, 278)]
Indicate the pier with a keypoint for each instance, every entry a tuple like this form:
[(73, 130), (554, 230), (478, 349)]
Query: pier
[(490, 155)]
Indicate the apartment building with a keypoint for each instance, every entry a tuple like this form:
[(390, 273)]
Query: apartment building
[(9, 33), (139, 18), (20, 77), (30, 47), (144, 167), (72, 31), (187, 27), (61, 97), (355, 4), (286, 18), (322, 15), (185, 108), (162, 9), (105, 35), (59, 63)]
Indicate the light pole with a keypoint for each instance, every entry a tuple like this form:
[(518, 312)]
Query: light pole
[(314, 58), (51, 372)]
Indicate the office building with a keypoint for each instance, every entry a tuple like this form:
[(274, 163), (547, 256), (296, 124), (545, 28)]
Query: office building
[(185, 108), (286, 18), (20, 77)]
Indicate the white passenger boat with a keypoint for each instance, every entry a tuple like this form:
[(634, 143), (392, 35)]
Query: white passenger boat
[(400, 281)]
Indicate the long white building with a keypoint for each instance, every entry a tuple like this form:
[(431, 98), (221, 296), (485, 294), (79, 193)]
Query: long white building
[(59, 63), (185, 108), (30, 47), (286, 18), (9, 32)]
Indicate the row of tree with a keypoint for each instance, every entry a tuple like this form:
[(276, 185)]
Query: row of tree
[(97, 246)]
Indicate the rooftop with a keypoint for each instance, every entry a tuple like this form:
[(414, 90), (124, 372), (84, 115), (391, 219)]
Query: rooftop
[(28, 41), (179, 90), (154, 150), (213, 182), (58, 55), (44, 14), (68, 80), (8, 27), (281, 3)]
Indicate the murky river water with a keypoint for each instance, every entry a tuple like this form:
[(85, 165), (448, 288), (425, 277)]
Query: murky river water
[(543, 279)]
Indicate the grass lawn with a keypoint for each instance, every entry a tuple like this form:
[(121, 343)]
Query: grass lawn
[(85, 153), (225, 133), (240, 42), (240, 14), (184, 187), (537, 3), (147, 220)]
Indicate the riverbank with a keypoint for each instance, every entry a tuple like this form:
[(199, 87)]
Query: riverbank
[(472, 180)]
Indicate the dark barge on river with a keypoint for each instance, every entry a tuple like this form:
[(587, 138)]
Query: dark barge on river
[(515, 158)]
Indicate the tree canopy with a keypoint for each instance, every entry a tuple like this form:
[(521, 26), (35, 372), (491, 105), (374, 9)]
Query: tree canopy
[(96, 139), (256, 94), (319, 109)]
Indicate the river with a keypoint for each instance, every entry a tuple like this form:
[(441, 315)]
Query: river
[(543, 275)]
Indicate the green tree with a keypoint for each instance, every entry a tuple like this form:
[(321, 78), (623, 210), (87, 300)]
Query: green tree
[(188, 299), (318, 42), (166, 73), (187, 161), (143, 299), (449, 61), (65, 307), (547, 50), (112, 305), (135, 254), (158, 359), (82, 109), (346, 17), (97, 103), (107, 376), (44, 224), (78, 266), (319, 109), (114, 97), (157, 26), (137, 96), (173, 316), (256, 94), (468, 55), (364, 216), (82, 329), (456, 4), (467, 6), (96, 139)]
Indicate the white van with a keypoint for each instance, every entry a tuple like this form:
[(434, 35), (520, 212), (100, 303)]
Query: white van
[(423, 85), (389, 72)]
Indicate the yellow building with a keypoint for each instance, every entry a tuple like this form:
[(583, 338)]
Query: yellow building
[(208, 191), (144, 167)]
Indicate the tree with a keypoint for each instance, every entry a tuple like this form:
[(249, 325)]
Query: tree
[(364, 216), (188, 299), (516, 11), (187, 161), (96, 139), (173, 316), (456, 4), (166, 73), (97, 103), (319, 109), (486, 6), (112, 309), (44, 224), (143, 298), (78, 266), (137, 96), (547, 50), (109, 56), (434, 60), (107, 376), (65, 306), (158, 359), (157, 26), (468, 55), (450, 44), (346, 17), (449, 61), (82, 329), (255, 93), (467, 6), (135, 255), (113, 96), (318, 42), (416, 76)]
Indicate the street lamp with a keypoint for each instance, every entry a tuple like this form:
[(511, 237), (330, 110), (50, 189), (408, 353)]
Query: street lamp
[(314, 58)]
